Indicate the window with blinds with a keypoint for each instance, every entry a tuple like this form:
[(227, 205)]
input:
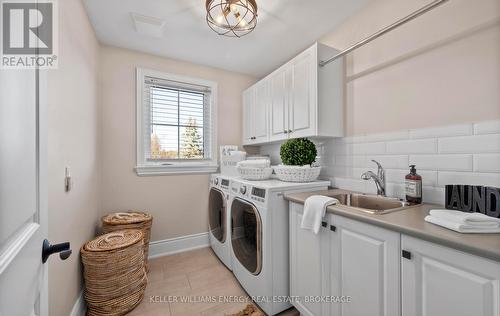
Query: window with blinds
[(176, 120)]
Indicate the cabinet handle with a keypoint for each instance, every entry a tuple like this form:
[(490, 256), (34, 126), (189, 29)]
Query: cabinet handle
[(406, 254), (324, 224), (333, 228)]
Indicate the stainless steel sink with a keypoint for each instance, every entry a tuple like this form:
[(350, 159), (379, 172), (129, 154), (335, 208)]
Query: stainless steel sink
[(372, 204)]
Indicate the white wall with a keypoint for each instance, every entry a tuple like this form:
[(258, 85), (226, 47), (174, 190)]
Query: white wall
[(74, 135), (178, 203), (442, 68), (437, 79)]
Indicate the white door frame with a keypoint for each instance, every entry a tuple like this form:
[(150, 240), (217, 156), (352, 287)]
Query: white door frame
[(42, 97)]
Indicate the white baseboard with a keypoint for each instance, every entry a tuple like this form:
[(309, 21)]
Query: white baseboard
[(170, 246), (80, 307)]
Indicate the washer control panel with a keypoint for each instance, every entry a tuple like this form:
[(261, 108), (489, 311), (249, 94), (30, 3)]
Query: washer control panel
[(248, 192), (258, 194), (243, 189)]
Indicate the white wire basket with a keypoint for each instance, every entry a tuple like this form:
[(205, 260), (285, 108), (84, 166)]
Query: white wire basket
[(255, 173), (297, 173)]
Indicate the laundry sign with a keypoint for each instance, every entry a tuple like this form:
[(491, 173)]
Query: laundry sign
[(473, 198)]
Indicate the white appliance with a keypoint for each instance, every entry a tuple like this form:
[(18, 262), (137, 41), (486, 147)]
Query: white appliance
[(218, 218), (259, 238)]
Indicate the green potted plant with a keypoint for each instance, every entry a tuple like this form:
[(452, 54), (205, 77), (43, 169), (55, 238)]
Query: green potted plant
[(298, 156)]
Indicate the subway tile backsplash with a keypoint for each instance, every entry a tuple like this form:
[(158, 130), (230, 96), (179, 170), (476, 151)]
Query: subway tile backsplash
[(456, 154)]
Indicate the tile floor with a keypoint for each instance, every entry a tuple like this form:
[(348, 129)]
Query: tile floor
[(192, 275)]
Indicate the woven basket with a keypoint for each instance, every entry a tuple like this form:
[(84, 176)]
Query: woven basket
[(114, 272), (254, 173), (130, 220), (297, 173)]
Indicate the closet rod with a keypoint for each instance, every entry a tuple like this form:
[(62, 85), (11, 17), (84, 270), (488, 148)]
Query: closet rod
[(389, 28)]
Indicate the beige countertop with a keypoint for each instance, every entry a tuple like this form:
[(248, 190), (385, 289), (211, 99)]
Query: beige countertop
[(411, 222)]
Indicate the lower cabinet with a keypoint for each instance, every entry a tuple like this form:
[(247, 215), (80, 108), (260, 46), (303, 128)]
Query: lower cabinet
[(437, 280), (364, 261), (308, 258), (349, 268), (376, 271)]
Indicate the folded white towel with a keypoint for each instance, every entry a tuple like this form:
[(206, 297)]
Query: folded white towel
[(254, 163), (314, 210), (460, 227), (472, 219)]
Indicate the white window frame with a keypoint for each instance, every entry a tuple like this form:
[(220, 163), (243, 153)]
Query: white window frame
[(148, 168)]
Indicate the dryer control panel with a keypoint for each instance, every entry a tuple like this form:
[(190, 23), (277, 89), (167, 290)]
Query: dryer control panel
[(224, 183)]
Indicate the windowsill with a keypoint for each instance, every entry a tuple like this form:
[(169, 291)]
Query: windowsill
[(180, 168)]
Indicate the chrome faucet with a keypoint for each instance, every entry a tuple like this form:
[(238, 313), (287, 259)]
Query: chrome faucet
[(379, 178)]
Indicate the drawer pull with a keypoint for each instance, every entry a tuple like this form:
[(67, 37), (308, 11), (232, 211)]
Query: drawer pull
[(406, 254)]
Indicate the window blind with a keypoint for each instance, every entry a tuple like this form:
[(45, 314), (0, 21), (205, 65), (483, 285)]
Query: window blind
[(177, 121)]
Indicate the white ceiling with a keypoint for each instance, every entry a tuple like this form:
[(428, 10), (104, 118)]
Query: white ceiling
[(284, 28)]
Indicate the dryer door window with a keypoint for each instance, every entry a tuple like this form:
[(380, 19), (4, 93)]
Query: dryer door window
[(246, 235), (217, 214)]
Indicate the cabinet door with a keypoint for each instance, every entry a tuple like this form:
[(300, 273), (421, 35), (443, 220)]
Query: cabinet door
[(307, 264), (260, 111), (364, 262), (248, 107), (437, 280), (278, 105), (303, 96)]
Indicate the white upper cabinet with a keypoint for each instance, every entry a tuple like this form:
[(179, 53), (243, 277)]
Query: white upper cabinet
[(255, 113), (278, 106), (248, 107), (260, 115), (301, 99), (437, 280), (302, 105)]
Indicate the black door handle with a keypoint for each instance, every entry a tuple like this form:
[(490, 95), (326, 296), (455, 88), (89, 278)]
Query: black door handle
[(63, 249)]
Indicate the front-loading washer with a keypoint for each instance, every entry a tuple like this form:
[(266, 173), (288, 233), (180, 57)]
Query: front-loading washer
[(218, 218), (259, 239)]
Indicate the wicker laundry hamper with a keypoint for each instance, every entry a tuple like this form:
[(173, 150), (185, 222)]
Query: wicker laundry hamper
[(114, 272), (130, 220)]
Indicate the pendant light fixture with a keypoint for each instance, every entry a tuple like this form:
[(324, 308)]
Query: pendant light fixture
[(234, 18)]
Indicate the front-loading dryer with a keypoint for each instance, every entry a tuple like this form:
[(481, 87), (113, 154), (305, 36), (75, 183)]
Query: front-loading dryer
[(218, 218), (259, 238)]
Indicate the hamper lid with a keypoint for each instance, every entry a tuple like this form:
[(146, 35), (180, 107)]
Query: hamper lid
[(130, 217), (115, 240)]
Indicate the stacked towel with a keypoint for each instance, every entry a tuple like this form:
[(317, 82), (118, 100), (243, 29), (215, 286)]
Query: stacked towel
[(314, 211), (254, 163), (463, 222)]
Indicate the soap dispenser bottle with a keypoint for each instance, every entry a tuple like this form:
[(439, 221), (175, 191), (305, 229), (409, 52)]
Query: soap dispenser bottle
[(413, 186)]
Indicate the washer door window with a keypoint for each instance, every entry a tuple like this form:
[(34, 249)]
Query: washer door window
[(246, 235), (217, 214)]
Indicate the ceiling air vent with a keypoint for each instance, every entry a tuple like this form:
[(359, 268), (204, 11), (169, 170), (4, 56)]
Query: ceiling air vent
[(148, 25)]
